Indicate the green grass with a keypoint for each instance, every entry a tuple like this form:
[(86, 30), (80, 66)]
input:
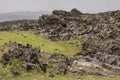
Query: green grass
[(36, 40), (39, 76)]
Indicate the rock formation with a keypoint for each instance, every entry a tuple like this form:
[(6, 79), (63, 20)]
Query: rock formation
[(99, 33), (30, 58)]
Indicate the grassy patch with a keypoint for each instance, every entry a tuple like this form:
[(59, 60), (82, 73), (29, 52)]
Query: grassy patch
[(38, 76), (36, 40)]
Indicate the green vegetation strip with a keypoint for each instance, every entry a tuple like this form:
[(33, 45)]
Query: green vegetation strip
[(36, 76), (35, 40)]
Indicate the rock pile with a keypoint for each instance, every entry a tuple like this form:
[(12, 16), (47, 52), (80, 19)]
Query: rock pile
[(104, 51), (30, 58), (63, 25), (18, 55)]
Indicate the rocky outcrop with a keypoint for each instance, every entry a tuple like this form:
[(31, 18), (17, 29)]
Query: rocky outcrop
[(63, 25), (29, 58), (98, 33)]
